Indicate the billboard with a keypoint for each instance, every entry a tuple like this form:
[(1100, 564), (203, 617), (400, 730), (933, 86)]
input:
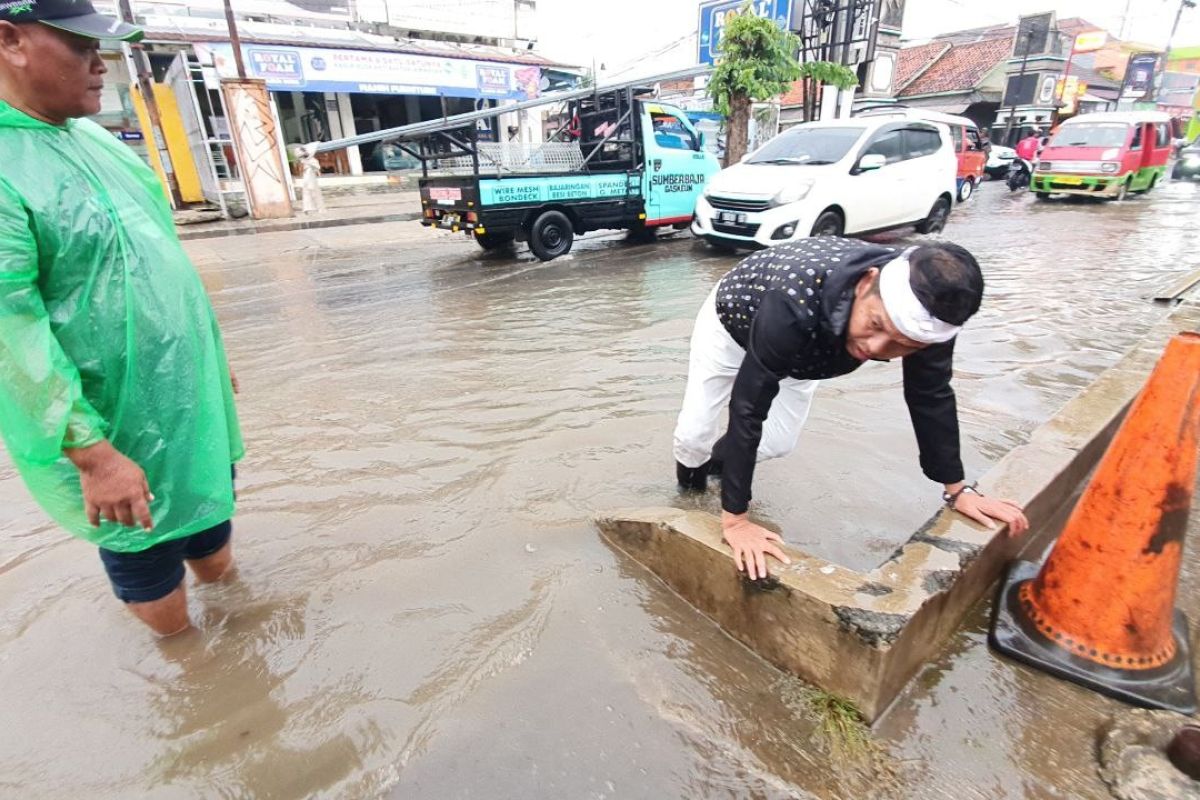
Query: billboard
[(714, 14), (320, 69), (1139, 75)]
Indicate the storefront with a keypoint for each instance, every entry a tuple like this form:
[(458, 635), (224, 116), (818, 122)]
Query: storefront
[(329, 93)]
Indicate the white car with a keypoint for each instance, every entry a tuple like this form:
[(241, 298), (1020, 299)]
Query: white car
[(1000, 160), (850, 176)]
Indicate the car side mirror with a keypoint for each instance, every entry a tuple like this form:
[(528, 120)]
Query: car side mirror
[(872, 162), (703, 140)]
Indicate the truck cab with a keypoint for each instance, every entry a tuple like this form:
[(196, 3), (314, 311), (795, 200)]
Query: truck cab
[(618, 162)]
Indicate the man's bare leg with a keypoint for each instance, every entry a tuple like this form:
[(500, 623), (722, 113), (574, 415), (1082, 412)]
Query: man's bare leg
[(213, 568), (166, 616)]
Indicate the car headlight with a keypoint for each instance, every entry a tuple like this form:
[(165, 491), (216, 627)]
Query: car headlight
[(793, 193), (1045, 166), (1110, 167)]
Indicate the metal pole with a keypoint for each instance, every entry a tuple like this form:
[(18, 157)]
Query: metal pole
[(146, 85), (1166, 57), (1012, 111), (1067, 77), (234, 40)]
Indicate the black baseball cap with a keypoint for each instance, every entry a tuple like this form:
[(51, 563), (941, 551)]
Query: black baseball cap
[(73, 16)]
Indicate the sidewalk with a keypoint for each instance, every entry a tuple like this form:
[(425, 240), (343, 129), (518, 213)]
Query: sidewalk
[(359, 207)]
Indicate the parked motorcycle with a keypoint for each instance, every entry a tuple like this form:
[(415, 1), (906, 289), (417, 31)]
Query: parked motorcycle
[(1020, 172)]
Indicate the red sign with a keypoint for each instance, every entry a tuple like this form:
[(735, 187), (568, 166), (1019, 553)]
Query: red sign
[(444, 194)]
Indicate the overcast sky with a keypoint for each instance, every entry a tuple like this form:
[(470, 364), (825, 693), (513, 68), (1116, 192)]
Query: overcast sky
[(637, 37)]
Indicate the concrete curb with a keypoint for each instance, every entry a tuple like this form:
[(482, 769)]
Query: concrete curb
[(300, 225), (865, 635)]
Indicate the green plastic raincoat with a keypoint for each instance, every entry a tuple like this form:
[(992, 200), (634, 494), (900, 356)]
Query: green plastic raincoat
[(106, 332)]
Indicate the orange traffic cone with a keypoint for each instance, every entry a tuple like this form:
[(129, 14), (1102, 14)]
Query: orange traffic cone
[(1102, 612)]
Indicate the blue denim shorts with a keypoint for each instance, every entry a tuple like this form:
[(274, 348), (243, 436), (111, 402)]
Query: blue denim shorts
[(154, 573)]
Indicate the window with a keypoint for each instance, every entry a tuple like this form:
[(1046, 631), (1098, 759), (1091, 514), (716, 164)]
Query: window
[(808, 146), (974, 142), (1088, 134), (671, 133), (1137, 137), (956, 135), (920, 142), (890, 145), (1163, 135)]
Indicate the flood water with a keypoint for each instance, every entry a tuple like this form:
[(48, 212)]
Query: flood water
[(423, 608)]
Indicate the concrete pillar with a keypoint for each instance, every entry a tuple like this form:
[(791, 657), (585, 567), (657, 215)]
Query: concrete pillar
[(829, 102), (345, 117), (846, 96)]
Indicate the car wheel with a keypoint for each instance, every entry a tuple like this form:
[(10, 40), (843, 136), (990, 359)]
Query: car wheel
[(551, 235), (1042, 195), (495, 241), (966, 190), (938, 216), (830, 223)]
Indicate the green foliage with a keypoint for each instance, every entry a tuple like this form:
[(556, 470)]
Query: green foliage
[(757, 60), (829, 73)]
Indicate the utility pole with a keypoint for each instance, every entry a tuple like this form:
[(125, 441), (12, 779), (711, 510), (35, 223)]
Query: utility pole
[(1012, 111), (1166, 57), (1125, 19), (146, 85), (234, 40)]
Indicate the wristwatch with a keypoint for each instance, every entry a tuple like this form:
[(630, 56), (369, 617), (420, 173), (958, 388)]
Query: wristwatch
[(951, 499)]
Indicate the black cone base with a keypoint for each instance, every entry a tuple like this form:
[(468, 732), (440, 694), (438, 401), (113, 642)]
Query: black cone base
[(1171, 687)]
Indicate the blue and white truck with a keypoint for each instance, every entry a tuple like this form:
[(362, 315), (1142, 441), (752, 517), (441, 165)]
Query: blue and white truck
[(619, 160)]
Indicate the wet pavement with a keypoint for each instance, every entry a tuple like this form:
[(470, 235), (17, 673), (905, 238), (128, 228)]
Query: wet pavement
[(423, 608)]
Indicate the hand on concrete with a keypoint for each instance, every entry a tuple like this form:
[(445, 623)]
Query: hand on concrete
[(989, 510), (114, 488), (751, 544)]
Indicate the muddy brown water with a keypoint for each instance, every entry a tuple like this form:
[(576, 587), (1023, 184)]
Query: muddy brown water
[(423, 608)]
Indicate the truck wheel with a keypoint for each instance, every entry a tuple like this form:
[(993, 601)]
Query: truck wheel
[(642, 233), (551, 235), (936, 221), (495, 241), (966, 190), (830, 223)]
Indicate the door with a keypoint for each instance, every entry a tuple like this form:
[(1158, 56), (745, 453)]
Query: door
[(976, 157), (179, 78), (924, 178), (875, 197), (676, 167)]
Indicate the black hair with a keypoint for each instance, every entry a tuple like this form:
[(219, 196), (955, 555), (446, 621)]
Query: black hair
[(947, 280)]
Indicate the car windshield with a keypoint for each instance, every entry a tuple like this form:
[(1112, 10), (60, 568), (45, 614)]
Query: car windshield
[(1111, 134), (808, 146)]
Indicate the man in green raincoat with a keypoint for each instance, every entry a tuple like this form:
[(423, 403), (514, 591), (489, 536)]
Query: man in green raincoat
[(116, 402)]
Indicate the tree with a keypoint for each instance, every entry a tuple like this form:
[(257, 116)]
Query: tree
[(757, 61)]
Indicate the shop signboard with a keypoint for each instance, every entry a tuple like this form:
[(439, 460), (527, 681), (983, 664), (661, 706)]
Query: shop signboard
[(714, 14), (1139, 75), (318, 69)]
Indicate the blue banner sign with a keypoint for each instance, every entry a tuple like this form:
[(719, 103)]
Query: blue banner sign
[(512, 191), (715, 13)]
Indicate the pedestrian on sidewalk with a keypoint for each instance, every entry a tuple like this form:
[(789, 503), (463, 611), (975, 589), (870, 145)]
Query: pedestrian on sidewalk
[(786, 318), (116, 402)]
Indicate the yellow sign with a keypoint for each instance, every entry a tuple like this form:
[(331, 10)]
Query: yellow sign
[(1092, 40)]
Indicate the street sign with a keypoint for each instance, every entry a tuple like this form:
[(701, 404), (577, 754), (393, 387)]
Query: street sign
[(714, 14), (1090, 41), (1139, 75)]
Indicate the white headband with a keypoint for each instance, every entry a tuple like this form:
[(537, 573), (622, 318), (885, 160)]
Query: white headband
[(906, 312)]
